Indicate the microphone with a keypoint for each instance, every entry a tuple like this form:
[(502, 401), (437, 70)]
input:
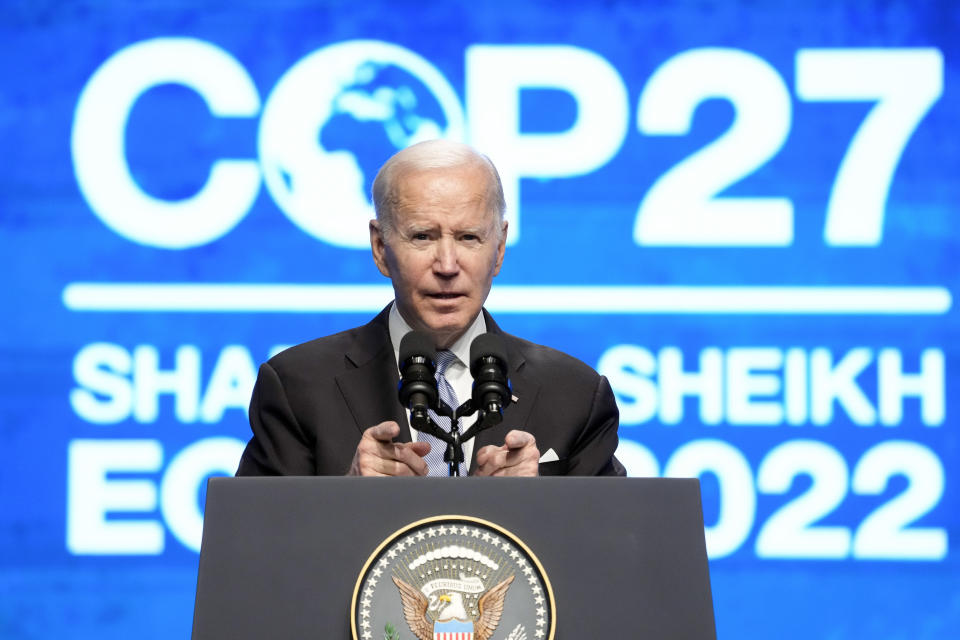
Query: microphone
[(418, 386), (488, 366)]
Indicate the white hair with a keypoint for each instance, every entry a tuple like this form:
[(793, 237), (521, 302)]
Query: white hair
[(423, 156)]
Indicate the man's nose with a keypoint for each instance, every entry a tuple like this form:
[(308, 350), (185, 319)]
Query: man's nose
[(447, 261)]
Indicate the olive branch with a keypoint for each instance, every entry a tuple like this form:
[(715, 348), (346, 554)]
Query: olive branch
[(390, 632), (518, 633)]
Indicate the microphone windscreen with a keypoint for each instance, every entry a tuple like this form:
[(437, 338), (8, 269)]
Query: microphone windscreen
[(487, 344), (416, 343)]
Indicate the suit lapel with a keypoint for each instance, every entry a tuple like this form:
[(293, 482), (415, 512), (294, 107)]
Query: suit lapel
[(524, 388), (369, 384)]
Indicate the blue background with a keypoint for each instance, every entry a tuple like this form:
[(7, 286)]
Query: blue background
[(575, 231)]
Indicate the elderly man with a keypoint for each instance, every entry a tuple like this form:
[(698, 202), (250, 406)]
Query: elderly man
[(330, 406)]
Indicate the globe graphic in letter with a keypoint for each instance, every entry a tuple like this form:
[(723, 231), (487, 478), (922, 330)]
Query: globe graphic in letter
[(334, 118)]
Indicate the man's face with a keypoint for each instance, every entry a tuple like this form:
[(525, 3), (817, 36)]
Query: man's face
[(445, 247)]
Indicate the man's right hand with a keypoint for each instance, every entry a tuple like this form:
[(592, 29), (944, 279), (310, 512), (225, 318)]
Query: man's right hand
[(378, 455)]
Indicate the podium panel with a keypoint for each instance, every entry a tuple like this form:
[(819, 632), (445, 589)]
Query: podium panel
[(281, 557)]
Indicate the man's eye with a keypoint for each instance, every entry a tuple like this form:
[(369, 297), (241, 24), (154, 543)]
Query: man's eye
[(420, 236)]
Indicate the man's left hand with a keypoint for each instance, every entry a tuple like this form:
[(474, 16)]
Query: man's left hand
[(518, 456)]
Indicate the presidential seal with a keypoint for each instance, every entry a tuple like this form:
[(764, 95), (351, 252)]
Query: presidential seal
[(453, 578)]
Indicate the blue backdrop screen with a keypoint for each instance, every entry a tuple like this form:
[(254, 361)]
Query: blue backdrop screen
[(743, 214)]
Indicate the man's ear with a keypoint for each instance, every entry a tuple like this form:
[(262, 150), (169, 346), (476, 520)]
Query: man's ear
[(501, 248), (379, 247)]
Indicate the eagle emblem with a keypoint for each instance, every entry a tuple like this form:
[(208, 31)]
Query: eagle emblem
[(449, 615), (452, 578)]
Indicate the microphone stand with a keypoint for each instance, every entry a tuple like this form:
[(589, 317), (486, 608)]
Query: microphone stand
[(454, 453)]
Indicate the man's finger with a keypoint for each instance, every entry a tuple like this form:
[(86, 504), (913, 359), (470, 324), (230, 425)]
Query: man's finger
[(391, 450), (517, 439), (420, 448), (377, 454), (514, 457), (383, 432), (490, 459), (487, 453), (408, 455), (518, 456), (398, 459)]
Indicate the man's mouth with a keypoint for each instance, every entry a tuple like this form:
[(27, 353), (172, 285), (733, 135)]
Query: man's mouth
[(444, 295)]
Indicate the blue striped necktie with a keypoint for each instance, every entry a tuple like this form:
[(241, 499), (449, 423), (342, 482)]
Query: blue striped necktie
[(435, 461)]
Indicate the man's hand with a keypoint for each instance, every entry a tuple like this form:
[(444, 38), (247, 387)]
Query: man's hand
[(378, 455), (518, 456)]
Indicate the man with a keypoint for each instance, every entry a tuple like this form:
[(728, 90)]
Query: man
[(330, 406)]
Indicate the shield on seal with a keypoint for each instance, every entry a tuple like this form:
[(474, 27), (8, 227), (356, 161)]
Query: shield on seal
[(453, 630)]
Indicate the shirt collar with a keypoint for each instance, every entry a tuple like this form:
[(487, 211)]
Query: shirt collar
[(461, 348)]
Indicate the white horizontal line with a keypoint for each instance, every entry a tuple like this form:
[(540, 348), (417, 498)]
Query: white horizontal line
[(230, 298), (365, 298)]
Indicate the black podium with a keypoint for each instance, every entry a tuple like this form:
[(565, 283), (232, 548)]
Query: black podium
[(281, 557)]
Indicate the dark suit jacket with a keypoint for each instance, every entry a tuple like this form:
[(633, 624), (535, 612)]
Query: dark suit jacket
[(312, 403)]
